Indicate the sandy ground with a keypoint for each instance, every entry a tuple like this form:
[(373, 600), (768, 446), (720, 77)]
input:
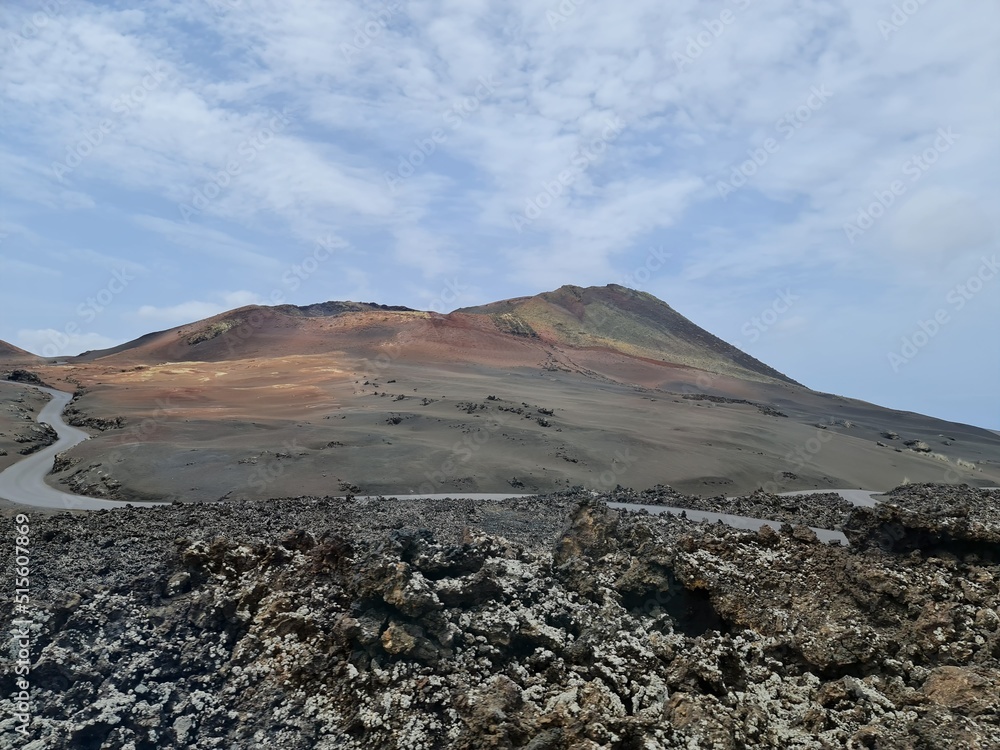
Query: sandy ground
[(310, 425)]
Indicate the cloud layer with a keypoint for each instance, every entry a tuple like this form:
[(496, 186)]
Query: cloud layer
[(305, 151)]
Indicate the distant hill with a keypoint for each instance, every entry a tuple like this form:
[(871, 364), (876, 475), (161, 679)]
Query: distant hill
[(11, 353), (591, 387), (570, 328)]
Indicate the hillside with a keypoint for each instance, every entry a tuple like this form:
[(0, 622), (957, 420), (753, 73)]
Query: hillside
[(11, 353), (625, 320), (577, 387), (572, 327)]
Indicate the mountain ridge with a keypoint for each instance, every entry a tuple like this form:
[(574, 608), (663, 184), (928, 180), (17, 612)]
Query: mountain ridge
[(550, 325), (651, 328)]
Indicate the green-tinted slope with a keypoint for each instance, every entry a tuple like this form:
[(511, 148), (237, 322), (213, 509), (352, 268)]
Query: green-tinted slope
[(626, 320)]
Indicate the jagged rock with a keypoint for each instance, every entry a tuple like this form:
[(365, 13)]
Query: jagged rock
[(968, 690), (545, 623), (64, 461), (25, 376), (39, 436), (76, 418)]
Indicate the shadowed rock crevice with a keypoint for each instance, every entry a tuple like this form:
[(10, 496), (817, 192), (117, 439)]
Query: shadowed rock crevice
[(329, 623), (958, 523)]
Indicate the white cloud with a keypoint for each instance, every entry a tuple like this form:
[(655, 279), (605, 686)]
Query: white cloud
[(195, 310), (935, 226), (222, 246), (488, 102), (49, 342)]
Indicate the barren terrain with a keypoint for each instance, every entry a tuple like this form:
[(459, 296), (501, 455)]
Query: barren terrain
[(316, 425), (591, 387), (549, 623), (19, 431)]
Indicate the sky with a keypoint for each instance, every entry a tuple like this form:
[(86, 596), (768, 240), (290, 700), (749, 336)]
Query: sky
[(815, 181)]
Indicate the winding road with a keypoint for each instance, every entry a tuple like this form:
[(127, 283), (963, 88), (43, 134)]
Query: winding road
[(738, 522), (24, 482), (708, 516)]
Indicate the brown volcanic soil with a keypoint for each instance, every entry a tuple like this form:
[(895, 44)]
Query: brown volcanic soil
[(257, 428), (612, 321), (588, 389), (10, 354), (620, 319)]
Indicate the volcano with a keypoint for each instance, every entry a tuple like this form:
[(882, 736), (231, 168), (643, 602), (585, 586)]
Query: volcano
[(591, 387)]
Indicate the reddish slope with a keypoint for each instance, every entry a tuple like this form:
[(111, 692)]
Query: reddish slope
[(605, 331), (625, 320), (11, 353)]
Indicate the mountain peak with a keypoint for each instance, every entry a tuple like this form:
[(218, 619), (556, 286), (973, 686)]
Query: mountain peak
[(627, 320), (612, 319)]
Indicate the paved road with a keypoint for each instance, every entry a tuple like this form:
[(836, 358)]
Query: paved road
[(865, 498), (858, 497), (739, 522), (24, 482)]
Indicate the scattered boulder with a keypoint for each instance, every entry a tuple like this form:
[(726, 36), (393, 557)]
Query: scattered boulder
[(25, 376)]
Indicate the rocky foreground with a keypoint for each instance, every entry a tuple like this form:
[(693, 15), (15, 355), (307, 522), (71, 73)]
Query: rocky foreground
[(545, 623)]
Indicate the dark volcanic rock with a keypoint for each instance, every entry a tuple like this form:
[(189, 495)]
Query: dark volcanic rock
[(959, 521), (540, 623), (24, 376), (36, 437), (78, 419), (825, 510)]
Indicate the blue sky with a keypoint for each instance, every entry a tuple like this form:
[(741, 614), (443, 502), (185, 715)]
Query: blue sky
[(815, 181)]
